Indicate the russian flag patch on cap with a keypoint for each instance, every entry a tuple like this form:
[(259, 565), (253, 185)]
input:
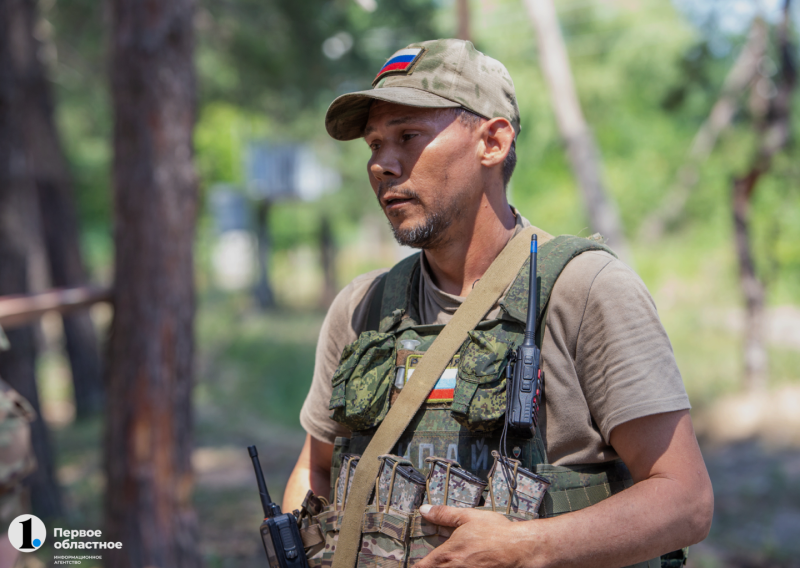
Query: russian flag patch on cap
[(403, 60)]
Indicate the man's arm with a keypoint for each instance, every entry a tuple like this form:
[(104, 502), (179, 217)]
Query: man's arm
[(669, 507), (312, 471)]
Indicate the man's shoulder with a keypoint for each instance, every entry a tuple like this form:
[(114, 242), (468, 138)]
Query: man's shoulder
[(601, 269), (598, 273), (589, 264)]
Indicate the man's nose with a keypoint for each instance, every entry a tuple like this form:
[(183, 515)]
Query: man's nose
[(384, 165)]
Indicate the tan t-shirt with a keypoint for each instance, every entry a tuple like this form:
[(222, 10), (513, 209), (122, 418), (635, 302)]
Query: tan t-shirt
[(606, 356)]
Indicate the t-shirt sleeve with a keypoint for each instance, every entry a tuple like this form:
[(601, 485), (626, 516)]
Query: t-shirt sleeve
[(345, 320), (624, 358)]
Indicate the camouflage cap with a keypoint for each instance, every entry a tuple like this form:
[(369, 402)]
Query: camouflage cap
[(442, 73)]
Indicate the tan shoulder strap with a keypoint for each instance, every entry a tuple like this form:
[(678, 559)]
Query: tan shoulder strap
[(480, 300)]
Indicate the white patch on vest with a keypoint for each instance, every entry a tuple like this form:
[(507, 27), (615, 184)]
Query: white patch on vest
[(450, 373), (480, 454), (422, 448), (452, 452)]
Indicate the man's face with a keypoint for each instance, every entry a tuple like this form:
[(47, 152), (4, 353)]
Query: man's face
[(424, 169)]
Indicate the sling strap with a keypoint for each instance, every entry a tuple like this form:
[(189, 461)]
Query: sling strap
[(481, 299)]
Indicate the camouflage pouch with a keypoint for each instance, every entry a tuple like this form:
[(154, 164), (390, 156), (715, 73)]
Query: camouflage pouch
[(310, 529), (675, 559), (16, 453), (328, 523), (341, 446), (399, 490), (363, 381), (479, 399), (447, 484), (329, 520), (521, 500), (345, 480)]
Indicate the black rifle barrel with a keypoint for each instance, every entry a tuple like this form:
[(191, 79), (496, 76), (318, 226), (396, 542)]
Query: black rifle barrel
[(533, 297)]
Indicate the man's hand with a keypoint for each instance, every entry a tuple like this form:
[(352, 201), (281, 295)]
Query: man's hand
[(481, 539)]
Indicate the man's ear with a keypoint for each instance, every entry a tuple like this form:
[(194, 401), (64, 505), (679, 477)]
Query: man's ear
[(497, 136)]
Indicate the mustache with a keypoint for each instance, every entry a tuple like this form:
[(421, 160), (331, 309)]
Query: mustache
[(384, 188)]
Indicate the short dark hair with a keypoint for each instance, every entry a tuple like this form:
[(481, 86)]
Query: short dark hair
[(472, 120)]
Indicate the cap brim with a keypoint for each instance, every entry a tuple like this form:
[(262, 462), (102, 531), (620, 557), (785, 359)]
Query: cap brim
[(347, 116)]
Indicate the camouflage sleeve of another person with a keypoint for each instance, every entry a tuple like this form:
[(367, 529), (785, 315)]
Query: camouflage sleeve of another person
[(16, 453), (345, 321)]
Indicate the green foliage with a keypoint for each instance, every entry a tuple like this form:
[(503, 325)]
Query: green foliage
[(647, 77), (269, 55), (218, 141), (262, 370)]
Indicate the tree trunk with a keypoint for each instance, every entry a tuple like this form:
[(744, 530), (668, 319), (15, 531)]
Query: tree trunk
[(755, 350), (582, 151), (774, 131), (59, 221), (462, 8), (327, 248), (263, 290), (17, 209), (148, 439)]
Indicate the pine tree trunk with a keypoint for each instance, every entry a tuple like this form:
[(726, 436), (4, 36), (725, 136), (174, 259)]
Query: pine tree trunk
[(59, 221), (17, 209), (149, 378)]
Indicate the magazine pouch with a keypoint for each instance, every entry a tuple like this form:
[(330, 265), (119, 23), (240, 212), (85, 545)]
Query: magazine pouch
[(447, 484), (385, 526), (326, 523), (514, 490)]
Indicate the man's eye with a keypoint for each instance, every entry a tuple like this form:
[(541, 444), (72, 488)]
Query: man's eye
[(374, 146), (407, 137)]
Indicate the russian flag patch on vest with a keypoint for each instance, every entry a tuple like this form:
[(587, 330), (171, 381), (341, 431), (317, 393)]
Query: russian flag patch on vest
[(444, 389), (403, 60)]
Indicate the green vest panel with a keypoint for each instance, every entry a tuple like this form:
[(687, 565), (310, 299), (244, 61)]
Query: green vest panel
[(466, 424)]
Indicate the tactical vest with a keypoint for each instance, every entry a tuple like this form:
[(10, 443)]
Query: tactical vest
[(463, 421)]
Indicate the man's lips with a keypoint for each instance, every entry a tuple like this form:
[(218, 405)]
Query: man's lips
[(394, 201)]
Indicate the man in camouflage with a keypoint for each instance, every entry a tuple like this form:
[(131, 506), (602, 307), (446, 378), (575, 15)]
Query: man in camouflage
[(441, 123), (16, 459)]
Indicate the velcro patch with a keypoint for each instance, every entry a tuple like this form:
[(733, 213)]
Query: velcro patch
[(445, 386), (403, 60)]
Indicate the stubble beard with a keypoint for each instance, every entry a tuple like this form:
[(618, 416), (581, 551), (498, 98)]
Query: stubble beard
[(431, 232)]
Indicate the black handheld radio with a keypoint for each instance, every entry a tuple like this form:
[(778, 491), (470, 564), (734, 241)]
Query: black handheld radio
[(522, 411), (280, 534)]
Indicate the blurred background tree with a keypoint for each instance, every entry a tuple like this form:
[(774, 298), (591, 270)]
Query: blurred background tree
[(649, 76)]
